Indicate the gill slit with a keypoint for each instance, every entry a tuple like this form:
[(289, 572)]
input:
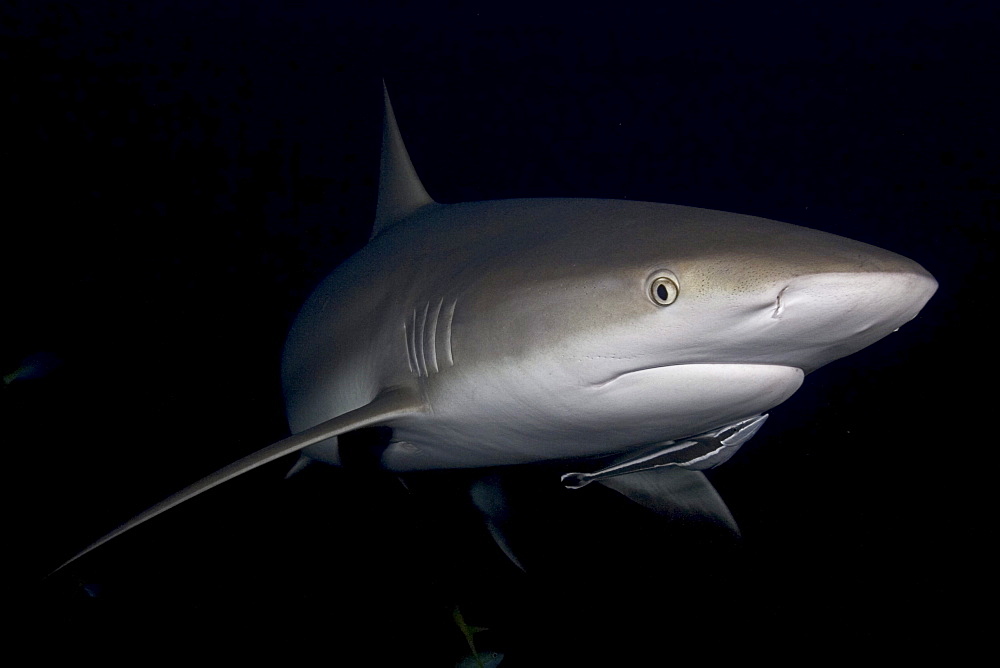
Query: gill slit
[(446, 332), (413, 342), (419, 336), (406, 344), (432, 335)]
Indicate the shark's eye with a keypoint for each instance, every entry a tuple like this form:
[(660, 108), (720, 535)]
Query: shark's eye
[(663, 290)]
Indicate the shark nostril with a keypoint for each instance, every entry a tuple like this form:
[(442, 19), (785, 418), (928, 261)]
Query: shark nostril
[(779, 307)]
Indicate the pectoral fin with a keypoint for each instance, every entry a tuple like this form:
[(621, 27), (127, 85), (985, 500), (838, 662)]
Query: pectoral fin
[(300, 465), (490, 499), (678, 494), (390, 404)]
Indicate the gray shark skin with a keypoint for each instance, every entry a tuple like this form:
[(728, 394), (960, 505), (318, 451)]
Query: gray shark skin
[(498, 333)]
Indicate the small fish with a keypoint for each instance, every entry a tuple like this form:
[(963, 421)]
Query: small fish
[(487, 659), (484, 660)]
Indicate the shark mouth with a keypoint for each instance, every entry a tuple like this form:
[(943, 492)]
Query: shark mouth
[(662, 367)]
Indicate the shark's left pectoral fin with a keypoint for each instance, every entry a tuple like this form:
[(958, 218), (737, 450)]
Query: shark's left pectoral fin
[(678, 494), (390, 404)]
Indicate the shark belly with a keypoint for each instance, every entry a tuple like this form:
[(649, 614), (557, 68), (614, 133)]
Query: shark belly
[(628, 411)]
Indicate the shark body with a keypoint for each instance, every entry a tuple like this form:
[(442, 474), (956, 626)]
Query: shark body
[(497, 333)]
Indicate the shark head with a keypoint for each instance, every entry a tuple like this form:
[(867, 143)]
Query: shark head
[(591, 326)]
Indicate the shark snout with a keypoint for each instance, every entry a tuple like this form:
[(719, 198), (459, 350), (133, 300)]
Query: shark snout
[(826, 316)]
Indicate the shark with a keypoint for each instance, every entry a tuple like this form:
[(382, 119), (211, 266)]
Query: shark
[(632, 344)]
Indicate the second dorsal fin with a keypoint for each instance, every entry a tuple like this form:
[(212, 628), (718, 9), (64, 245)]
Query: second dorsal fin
[(400, 192)]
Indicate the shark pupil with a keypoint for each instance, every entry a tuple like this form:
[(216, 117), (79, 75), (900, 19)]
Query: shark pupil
[(663, 291)]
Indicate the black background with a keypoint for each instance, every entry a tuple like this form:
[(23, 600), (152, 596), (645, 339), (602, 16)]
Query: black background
[(179, 175)]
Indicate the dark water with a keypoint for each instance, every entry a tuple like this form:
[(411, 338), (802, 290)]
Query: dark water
[(180, 175)]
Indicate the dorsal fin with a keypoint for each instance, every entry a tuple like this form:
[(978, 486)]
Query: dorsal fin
[(400, 192)]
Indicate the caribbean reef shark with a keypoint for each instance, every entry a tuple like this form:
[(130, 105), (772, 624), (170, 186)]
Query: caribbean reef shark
[(638, 343)]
